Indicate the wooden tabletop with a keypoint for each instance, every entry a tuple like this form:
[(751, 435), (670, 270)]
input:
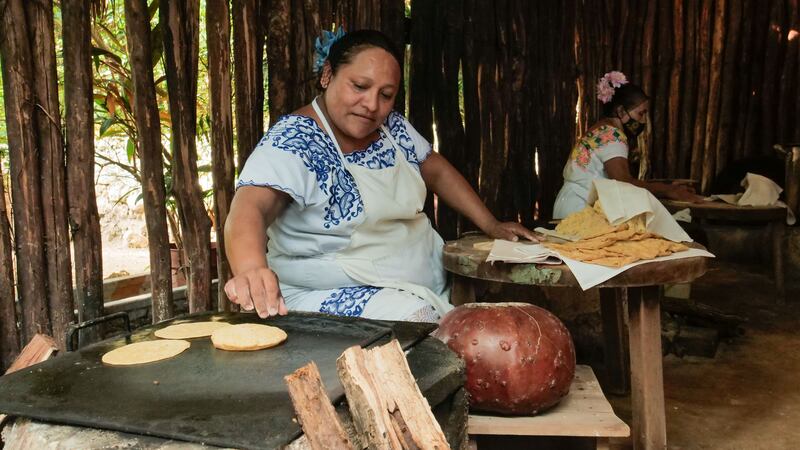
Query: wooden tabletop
[(719, 210), (583, 412), (462, 258)]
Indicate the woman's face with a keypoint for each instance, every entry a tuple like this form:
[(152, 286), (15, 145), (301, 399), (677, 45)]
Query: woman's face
[(639, 113), (361, 94)]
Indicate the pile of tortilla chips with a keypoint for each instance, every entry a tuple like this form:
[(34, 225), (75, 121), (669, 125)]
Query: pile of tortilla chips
[(608, 245)]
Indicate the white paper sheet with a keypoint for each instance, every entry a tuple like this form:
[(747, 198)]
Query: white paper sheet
[(588, 275)]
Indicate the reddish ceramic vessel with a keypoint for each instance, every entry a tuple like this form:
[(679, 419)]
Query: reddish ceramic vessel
[(520, 358)]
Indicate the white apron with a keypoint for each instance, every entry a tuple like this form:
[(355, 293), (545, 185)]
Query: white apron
[(395, 246)]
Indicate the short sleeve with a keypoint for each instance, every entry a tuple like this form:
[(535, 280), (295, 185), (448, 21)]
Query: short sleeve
[(611, 143), (612, 150), (416, 147), (282, 160)]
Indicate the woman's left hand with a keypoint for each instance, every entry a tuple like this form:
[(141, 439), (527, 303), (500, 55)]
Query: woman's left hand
[(510, 231)]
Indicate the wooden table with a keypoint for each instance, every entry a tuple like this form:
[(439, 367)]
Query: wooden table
[(641, 286), (773, 217)]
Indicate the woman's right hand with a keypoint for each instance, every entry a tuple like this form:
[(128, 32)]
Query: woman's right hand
[(682, 193), (257, 289)]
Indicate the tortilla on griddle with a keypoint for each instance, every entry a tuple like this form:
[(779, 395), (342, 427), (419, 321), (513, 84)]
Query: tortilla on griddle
[(145, 352), (247, 337), (190, 330)]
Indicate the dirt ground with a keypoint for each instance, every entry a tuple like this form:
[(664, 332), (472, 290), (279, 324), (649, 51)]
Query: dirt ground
[(745, 398), (748, 396)]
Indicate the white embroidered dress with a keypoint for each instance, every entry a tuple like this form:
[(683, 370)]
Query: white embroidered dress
[(326, 247)]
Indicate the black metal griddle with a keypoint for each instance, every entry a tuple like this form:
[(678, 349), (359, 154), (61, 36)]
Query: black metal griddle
[(205, 395)]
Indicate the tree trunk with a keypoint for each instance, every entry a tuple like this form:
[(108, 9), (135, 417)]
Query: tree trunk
[(304, 28), (9, 335), (145, 111), (180, 21), (279, 50), (704, 49), (57, 247), (247, 77), (19, 103), (773, 54), (714, 88), (446, 102), (690, 82), (83, 215), (729, 70), (665, 60), (218, 34), (675, 89), (787, 95)]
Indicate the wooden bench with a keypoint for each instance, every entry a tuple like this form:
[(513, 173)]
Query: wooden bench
[(584, 412)]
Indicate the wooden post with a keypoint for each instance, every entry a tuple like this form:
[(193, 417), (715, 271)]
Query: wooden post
[(148, 126), (664, 60), (773, 60), (180, 21), (788, 90), (690, 92), (83, 216), (704, 61), (744, 92), (247, 76), (56, 245), (714, 88), (387, 406), (446, 101), (218, 35), (675, 89), (278, 53), (9, 335), (649, 429), (777, 231), (19, 100), (314, 410), (729, 71), (612, 310)]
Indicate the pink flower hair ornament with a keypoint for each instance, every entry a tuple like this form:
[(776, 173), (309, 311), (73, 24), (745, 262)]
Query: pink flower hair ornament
[(608, 84)]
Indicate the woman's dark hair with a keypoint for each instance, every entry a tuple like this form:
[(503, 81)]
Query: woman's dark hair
[(345, 49), (629, 96)]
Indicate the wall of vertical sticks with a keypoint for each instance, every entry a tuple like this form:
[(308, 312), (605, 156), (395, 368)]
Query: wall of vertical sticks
[(723, 76), (503, 87)]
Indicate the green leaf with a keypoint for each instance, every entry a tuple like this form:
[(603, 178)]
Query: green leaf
[(131, 149), (106, 125)]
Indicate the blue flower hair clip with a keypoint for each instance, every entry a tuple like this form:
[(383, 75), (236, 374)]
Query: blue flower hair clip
[(322, 47)]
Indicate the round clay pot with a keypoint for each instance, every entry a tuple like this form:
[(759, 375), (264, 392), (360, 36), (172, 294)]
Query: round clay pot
[(520, 358)]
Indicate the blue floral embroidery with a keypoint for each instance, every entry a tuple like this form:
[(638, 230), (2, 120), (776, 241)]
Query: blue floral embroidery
[(376, 156), (349, 301), (380, 154), (304, 139), (397, 128)]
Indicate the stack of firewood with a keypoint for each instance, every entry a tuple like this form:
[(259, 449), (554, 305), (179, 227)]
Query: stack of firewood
[(387, 408)]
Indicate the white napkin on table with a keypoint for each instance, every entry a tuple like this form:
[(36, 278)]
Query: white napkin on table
[(759, 191)]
